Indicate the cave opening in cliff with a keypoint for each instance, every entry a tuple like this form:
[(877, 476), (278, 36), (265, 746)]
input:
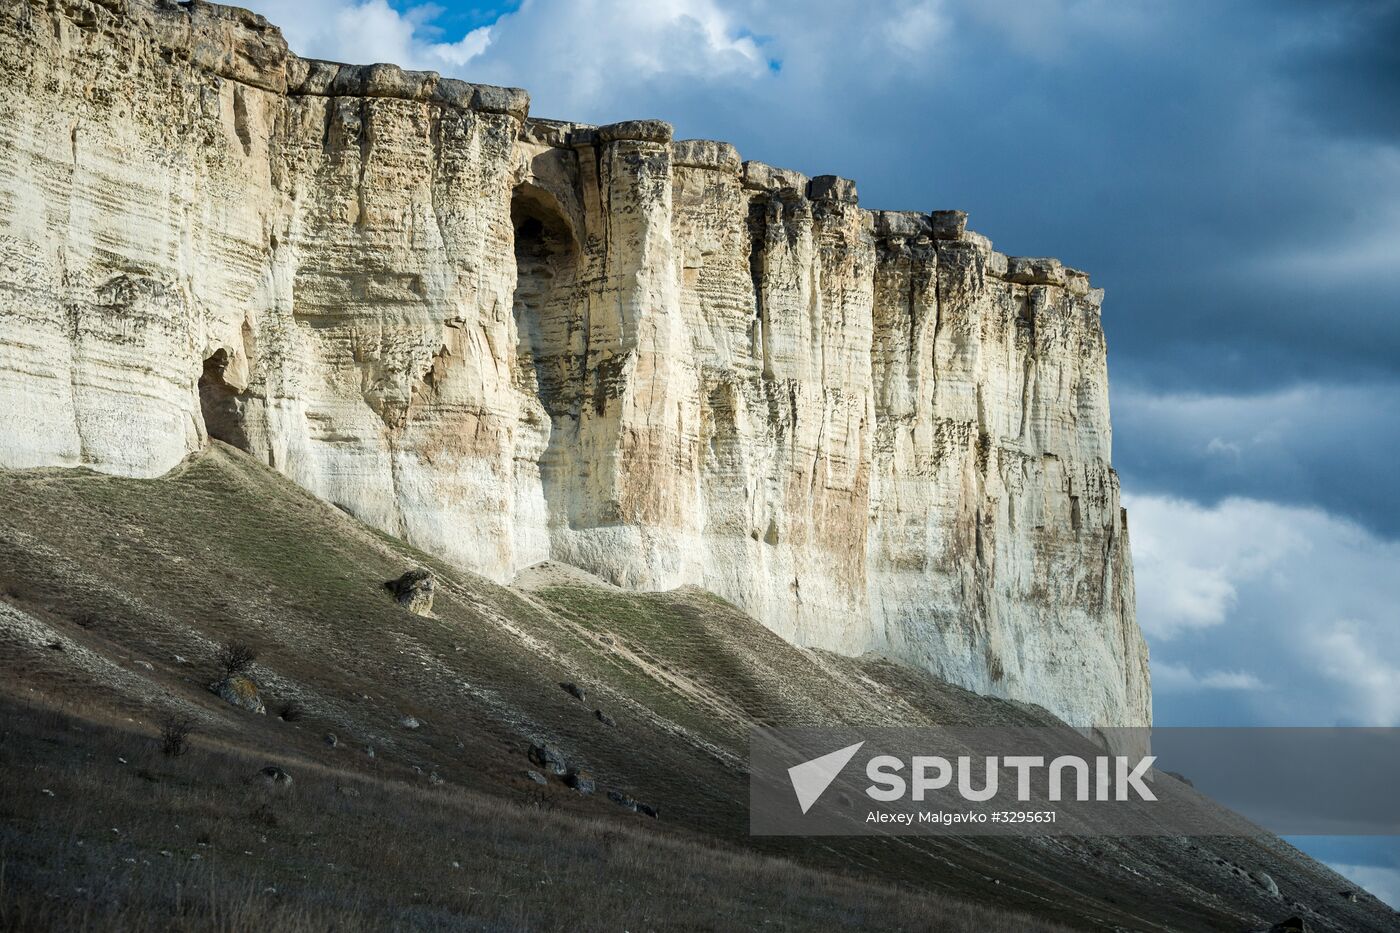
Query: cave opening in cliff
[(545, 267), (758, 259), (758, 242), (550, 349), (220, 403)]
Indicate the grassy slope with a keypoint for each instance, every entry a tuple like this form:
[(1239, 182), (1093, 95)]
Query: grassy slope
[(133, 840), (128, 573)]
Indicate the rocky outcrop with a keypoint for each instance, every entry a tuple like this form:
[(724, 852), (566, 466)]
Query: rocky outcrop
[(549, 758), (239, 690), (511, 340), (274, 776), (414, 591)]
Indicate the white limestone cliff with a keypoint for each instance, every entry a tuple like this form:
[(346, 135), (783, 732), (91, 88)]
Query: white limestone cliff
[(509, 340)]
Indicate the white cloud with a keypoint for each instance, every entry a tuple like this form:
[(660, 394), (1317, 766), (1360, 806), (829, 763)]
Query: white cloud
[(356, 31), (591, 59), (1381, 881), (465, 49), (1224, 448), (580, 52), (1346, 653), (1190, 559), (1178, 677), (916, 28), (369, 31), (1304, 597), (1231, 680)]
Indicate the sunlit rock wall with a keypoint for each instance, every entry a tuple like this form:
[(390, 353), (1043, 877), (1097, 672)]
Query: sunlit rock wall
[(508, 339)]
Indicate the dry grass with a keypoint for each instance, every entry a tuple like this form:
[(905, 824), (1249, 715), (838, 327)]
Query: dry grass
[(175, 736), (141, 581), (102, 831)]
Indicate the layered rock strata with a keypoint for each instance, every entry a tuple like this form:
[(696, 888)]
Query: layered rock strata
[(508, 340)]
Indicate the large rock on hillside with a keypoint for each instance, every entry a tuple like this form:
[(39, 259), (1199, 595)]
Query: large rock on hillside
[(240, 690), (413, 591)]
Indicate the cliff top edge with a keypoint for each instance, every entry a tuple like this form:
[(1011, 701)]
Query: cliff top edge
[(243, 46)]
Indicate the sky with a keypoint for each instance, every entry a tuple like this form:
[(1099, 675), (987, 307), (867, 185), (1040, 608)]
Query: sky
[(1228, 171)]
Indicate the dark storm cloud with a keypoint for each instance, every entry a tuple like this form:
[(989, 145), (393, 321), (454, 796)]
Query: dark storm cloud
[(1331, 446), (1348, 77)]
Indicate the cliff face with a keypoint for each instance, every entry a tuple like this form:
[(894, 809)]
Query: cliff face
[(508, 339)]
